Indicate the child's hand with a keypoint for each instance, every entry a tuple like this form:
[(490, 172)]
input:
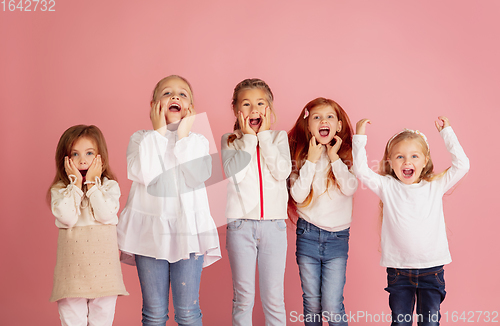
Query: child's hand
[(245, 124), (315, 150), (186, 123), (95, 170), (446, 123), (71, 168), (266, 120), (157, 115), (333, 150), (361, 126)]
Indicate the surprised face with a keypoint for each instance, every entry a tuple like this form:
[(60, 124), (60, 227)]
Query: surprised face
[(252, 103), (407, 160), (175, 98), (323, 123)]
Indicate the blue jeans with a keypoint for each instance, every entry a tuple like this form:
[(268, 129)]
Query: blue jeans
[(156, 276), (322, 259), (426, 285), (262, 243)]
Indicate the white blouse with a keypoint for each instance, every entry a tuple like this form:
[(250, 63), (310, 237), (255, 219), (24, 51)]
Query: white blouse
[(167, 215)]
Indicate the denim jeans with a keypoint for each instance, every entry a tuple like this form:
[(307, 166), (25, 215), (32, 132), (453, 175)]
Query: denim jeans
[(156, 276), (322, 259), (261, 243), (425, 285)]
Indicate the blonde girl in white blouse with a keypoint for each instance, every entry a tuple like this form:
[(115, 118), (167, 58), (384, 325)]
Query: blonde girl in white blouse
[(166, 229)]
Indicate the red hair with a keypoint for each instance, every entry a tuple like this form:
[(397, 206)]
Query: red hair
[(299, 137)]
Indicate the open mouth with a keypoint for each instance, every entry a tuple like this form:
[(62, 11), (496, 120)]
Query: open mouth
[(255, 122), (408, 173), (174, 107), (324, 131), (83, 172)]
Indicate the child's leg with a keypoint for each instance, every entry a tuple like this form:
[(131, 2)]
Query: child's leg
[(332, 290), (154, 276), (401, 285), (334, 250), (73, 311), (430, 294), (241, 247), (102, 311), (309, 262), (185, 278), (271, 263)]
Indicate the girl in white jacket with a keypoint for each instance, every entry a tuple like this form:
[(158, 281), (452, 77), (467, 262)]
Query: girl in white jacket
[(321, 192), (257, 162)]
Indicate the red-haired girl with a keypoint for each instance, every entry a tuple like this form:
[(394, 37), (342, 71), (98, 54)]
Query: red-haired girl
[(321, 189)]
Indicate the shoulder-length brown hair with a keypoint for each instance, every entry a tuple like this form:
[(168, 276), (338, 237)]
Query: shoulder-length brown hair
[(299, 137), (66, 142)]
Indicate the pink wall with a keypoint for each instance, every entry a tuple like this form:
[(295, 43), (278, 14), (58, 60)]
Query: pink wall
[(400, 63)]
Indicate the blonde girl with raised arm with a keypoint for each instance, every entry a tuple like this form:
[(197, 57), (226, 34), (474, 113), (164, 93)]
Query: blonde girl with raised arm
[(413, 238)]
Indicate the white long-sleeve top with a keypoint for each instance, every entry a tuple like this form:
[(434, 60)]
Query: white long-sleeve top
[(167, 215), (98, 206), (330, 209), (257, 167), (413, 227)]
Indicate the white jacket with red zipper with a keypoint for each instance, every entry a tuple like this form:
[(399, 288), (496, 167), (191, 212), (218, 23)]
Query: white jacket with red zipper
[(257, 168)]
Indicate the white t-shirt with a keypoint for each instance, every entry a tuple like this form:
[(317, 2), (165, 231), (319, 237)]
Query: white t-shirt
[(413, 227)]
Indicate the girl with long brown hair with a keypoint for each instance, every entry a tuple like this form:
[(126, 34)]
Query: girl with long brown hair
[(85, 201)]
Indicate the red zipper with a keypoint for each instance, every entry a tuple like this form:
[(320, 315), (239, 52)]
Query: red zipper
[(260, 183)]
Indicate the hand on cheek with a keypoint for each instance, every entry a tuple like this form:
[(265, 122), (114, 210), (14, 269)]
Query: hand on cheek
[(71, 169), (157, 115), (245, 124), (186, 123), (265, 120), (95, 170)]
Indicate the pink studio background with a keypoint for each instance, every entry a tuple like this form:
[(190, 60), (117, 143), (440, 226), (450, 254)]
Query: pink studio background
[(400, 63)]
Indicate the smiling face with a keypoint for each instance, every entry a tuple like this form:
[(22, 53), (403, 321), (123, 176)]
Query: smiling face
[(82, 153), (323, 123), (175, 97), (407, 160), (252, 103)]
